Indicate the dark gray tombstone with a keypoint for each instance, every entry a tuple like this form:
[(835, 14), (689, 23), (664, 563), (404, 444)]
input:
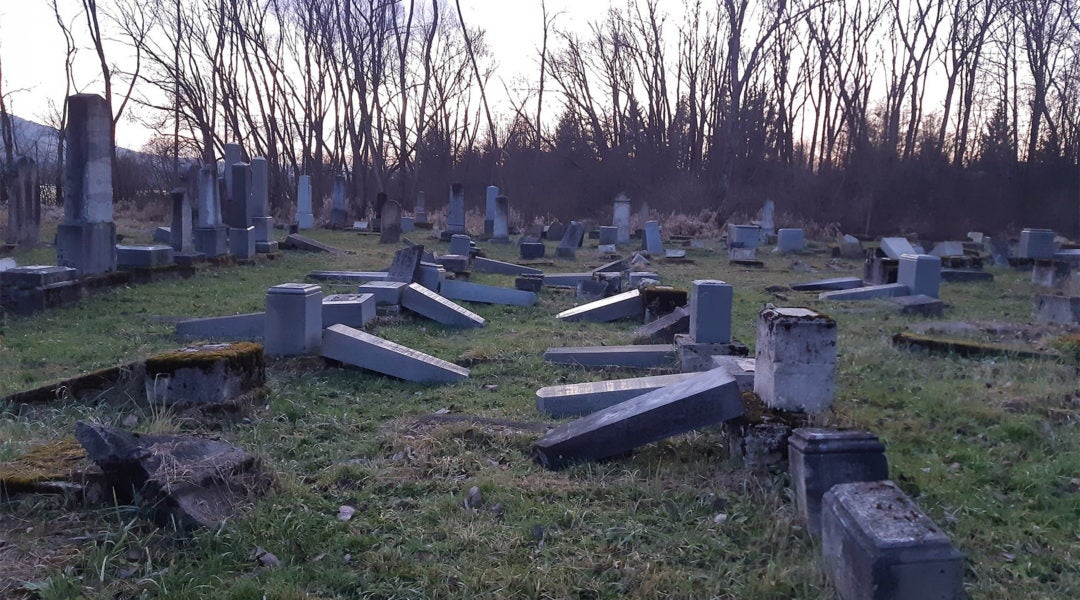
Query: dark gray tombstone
[(237, 215), (489, 210), (571, 239), (707, 399), (234, 153), (259, 200), (380, 202), (455, 211), (420, 214), (555, 231), (339, 211), (211, 236), (24, 204), (406, 264), (532, 250), (390, 223), (500, 232), (86, 240), (180, 231), (621, 219), (653, 245)]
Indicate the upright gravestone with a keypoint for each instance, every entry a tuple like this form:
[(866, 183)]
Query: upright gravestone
[(420, 214), (24, 204), (500, 231), (86, 240), (241, 233), (305, 219), (293, 319), (489, 210), (211, 236), (710, 311), (571, 239), (768, 220), (180, 237), (921, 273), (234, 153), (455, 212), (621, 218), (339, 212), (380, 202), (390, 223), (653, 245), (259, 203)]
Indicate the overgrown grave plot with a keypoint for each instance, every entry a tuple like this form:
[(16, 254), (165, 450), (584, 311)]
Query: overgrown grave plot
[(677, 517)]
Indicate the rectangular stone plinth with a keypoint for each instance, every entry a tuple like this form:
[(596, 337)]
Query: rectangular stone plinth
[(264, 228), (1060, 310), (620, 306), (354, 347), (870, 292), (242, 241), (706, 399), (644, 356), (250, 326), (566, 279), (461, 245), (796, 359), (710, 311), (821, 458), (354, 310), (384, 292), (579, 399), (211, 241), (921, 273), (293, 319), (143, 256), (455, 263), (88, 247), (878, 545), (487, 265), (348, 276), (744, 236), (485, 294), (790, 240), (37, 276), (1036, 243), (532, 250), (697, 356), (427, 303)]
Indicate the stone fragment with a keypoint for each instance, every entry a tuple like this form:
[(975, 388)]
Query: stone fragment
[(1059, 310), (664, 328), (821, 458), (354, 310), (406, 264), (427, 303), (485, 294), (919, 305), (299, 242), (870, 292), (353, 347), (878, 545), (706, 399), (740, 368)]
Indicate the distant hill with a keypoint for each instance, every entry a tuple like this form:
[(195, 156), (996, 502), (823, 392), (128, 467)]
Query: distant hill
[(33, 139)]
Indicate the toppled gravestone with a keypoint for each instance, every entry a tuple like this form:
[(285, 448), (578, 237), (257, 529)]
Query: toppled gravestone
[(181, 480)]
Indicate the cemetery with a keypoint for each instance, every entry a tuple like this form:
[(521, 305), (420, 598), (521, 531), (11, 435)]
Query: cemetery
[(478, 407)]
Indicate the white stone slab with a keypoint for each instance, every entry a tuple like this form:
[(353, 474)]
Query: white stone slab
[(354, 347), (579, 399), (485, 294), (613, 308), (427, 303)]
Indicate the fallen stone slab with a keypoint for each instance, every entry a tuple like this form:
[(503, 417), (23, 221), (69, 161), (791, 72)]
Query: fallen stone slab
[(498, 267), (143, 256), (615, 266), (250, 326), (182, 481), (384, 292), (894, 247), (51, 468), (665, 328), (706, 399), (566, 279), (620, 306), (359, 349), (965, 347), (919, 304), (698, 356), (427, 303), (870, 292), (579, 399), (825, 285), (644, 356), (965, 275), (295, 241), (349, 276), (878, 545), (485, 294)]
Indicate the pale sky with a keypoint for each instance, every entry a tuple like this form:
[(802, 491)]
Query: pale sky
[(32, 49)]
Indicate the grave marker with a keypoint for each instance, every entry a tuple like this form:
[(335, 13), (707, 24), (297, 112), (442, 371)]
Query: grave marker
[(621, 219), (339, 210), (354, 347), (304, 217), (293, 319), (796, 359), (24, 204), (390, 223)]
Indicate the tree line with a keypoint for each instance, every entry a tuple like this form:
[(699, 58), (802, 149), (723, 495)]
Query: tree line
[(877, 115)]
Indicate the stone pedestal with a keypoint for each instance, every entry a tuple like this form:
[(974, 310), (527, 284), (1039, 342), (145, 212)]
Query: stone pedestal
[(921, 273), (821, 458), (27, 290), (710, 311), (242, 242), (621, 219), (790, 240), (264, 228), (796, 359), (608, 235), (744, 236), (143, 257), (88, 247), (1036, 243), (293, 319), (212, 241)]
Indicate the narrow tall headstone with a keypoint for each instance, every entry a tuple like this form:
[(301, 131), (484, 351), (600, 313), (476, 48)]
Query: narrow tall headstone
[(305, 219), (180, 229), (234, 153), (653, 245), (489, 210), (420, 213), (500, 232), (259, 200), (211, 236), (86, 240), (24, 204), (390, 223), (768, 221), (455, 211), (621, 218), (710, 311), (571, 239), (380, 202), (339, 211), (237, 214)]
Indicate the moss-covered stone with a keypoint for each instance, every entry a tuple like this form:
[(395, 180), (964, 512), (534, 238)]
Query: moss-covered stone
[(62, 460)]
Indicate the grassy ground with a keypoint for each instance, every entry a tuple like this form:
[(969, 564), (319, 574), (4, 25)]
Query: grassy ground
[(987, 447)]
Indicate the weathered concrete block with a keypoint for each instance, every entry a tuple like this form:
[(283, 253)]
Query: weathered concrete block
[(207, 375), (643, 356), (796, 359), (354, 347), (143, 256), (384, 292), (211, 241), (293, 319), (710, 311), (620, 306), (579, 399), (706, 399), (921, 273), (878, 545), (821, 458), (485, 294), (1036, 243), (242, 241), (1061, 310), (427, 303), (487, 265), (250, 326), (836, 283), (790, 240), (88, 247), (566, 279), (354, 310), (740, 368), (640, 278), (532, 250)]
